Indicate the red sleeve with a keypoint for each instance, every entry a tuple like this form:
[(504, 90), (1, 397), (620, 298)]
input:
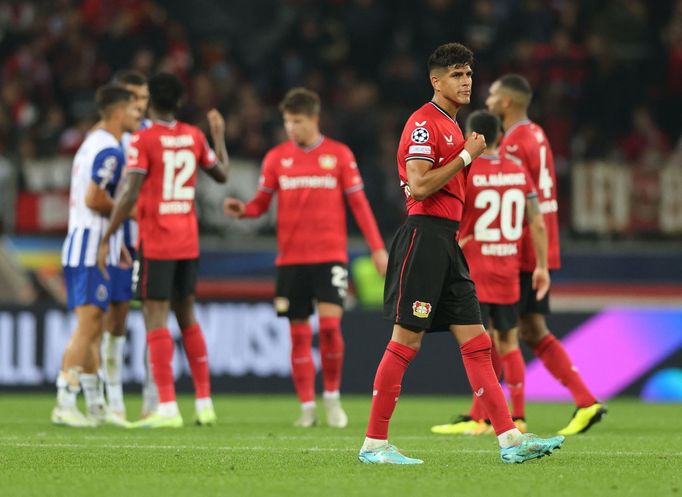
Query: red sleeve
[(267, 186), (258, 204), (137, 160), (351, 181), (207, 157), (419, 141), (363, 215)]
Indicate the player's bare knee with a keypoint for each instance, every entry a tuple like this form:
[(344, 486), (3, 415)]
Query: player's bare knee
[(408, 336)]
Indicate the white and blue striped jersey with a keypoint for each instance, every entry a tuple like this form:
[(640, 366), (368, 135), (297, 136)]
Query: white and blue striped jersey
[(100, 159)]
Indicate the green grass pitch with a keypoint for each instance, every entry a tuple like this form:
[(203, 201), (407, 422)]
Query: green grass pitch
[(255, 451)]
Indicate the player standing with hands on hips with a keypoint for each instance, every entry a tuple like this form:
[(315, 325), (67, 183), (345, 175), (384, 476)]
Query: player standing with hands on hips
[(428, 287)]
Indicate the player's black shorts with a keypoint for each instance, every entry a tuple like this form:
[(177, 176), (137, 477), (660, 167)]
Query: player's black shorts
[(428, 286), (504, 316), (300, 285), (160, 279), (528, 304)]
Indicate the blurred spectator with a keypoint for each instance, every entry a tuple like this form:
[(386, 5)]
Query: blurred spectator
[(591, 64)]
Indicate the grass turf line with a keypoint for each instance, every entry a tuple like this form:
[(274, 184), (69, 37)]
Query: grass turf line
[(255, 451)]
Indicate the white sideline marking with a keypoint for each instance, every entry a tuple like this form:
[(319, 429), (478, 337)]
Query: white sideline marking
[(305, 449)]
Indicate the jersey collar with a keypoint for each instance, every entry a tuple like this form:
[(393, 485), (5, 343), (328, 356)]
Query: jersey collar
[(166, 124), (312, 147), (442, 111), (522, 122)]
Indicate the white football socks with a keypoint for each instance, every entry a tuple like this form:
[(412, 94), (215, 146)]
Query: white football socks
[(509, 438), (150, 395), (201, 404), (112, 355), (90, 383), (67, 391), (373, 443)]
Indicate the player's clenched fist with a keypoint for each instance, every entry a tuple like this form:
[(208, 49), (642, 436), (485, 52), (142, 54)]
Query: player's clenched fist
[(216, 123), (475, 145), (233, 207)]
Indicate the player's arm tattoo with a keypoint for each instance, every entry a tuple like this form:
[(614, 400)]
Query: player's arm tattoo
[(538, 230), (124, 205)]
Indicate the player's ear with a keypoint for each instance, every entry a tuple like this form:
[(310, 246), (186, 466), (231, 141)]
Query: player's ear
[(435, 80)]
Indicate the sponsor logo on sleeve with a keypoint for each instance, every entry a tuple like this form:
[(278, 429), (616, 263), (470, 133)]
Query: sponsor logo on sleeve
[(420, 135), (287, 161), (421, 309), (448, 139), (419, 149)]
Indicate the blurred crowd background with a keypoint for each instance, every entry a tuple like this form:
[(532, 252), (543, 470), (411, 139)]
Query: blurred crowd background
[(607, 77)]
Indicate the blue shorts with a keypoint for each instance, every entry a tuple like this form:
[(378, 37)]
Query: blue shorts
[(86, 285), (121, 284)]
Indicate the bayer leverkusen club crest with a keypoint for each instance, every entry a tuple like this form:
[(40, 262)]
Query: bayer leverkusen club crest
[(421, 309), (327, 161)]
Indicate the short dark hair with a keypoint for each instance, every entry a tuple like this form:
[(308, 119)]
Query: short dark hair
[(450, 54), (165, 92), (108, 96), (129, 77), (301, 101), (518, 84), (485, 123)]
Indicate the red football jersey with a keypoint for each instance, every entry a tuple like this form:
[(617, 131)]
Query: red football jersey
[(311, 213), (431, 134), (168, 155), (528, 142), (494, 213)]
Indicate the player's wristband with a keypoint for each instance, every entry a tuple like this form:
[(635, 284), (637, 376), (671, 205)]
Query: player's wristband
[(465, 156)]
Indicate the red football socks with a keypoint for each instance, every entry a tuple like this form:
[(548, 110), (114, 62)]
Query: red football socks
[(478, 364), (197, 356), (477, 410), (160, 345), (555, 358), (387, 384), (514, 378), (302, 366), (331, 351)]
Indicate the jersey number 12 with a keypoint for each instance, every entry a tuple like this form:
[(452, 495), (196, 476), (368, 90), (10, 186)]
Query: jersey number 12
[(178, 168)]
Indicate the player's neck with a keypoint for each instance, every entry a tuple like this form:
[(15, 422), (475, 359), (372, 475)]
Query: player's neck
[(114, 128), (164, 117), (447, 105), (513, 117), (490, 151), (309, 141)]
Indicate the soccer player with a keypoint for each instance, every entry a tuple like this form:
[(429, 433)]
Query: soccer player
[(114, 336), (96, 171), (162, 172), (500, 195), (428, 287), (312, 174), (509, 98)]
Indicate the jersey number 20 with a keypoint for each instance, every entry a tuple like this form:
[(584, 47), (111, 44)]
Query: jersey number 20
[(178, 167), (509, 206)]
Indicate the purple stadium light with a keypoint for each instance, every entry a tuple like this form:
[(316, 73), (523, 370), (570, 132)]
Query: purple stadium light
[(612, 350)]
